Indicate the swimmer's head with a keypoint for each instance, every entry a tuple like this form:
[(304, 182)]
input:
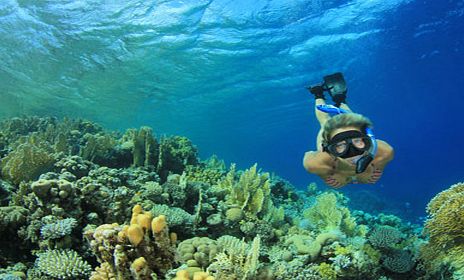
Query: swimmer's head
[(344, 122)]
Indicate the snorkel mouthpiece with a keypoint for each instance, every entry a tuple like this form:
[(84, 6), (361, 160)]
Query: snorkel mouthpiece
[(363, 163)]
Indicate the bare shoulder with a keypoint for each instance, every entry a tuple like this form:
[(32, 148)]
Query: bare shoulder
[(385, 154), (319, 163)]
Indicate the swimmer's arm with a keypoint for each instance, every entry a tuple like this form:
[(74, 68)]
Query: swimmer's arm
[(319, 163), (384, 154)]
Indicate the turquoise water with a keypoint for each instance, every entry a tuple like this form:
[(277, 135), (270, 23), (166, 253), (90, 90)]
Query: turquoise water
[(231, 76)]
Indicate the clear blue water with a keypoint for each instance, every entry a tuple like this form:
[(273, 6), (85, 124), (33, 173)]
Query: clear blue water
[(230, 75)]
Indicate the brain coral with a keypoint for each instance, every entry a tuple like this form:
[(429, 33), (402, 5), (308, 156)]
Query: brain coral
[(384, 236)]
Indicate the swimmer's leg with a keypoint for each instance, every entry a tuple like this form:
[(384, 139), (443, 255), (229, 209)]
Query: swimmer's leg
[(322, 118), (344, 106), (319, 140)]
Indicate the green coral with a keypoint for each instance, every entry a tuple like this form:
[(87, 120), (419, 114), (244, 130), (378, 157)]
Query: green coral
[(175, 153), (11, 217), (62, 264), (97, 147), (238, 261), (384, 237), (205, 175), (198, 251), (31, 157), (445, 228), (252, 192), (327, 215), (326, 271), (143, 146), (175, 216), (398, 261), (305, 245), (58, 229)]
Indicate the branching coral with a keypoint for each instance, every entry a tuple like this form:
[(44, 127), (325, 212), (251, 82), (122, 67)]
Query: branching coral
[(175, 153), (62, 264), (236, 262), (11, 217), (28, 160), (58, 229), (97, 147), (251, 193), (176, 216), (445, 228), (205, 175), (143, 146), (327, 215)]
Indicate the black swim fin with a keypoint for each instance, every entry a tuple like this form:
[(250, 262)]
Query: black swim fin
[(336, 85)]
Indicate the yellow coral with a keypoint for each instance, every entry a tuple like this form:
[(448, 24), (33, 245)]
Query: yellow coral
[(234, 214), (182, 275), (158, 224), (446, 223), (372, 253), (103, 272), (139, 264), (135, 234), (327, 215), (173, 238), (445, 228), (252, 193), (340, 250), (326, 271), (137, 209), (144, 220)]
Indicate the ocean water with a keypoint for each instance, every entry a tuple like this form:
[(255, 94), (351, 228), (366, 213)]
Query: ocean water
[(231, 76)]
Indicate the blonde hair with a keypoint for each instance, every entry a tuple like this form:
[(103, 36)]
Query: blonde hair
[(344, 120)]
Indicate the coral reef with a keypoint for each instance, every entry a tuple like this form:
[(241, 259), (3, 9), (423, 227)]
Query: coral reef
[(327, 215), (134, 251), (442, 254), (30, 158), (80, 202), (62, 264)]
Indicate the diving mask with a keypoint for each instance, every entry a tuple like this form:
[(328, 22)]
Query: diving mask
[(348, 144)]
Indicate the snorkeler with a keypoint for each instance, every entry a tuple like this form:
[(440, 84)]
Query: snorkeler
[(347, 151)]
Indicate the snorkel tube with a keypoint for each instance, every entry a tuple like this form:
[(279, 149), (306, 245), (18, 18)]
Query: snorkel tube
[(364, 161)]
